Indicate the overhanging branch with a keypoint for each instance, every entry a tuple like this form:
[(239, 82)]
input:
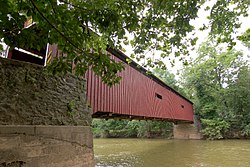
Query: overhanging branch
[(54, 27)]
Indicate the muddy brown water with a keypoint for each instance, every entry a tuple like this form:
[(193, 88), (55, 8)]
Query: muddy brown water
[(171, 153)]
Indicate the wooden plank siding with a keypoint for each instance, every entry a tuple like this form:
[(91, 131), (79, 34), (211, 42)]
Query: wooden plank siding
[(135, 97)]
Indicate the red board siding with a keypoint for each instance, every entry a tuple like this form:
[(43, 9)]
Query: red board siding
[(136, 96)]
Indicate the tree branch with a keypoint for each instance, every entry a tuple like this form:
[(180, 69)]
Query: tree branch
[(68, 3), (66, 38)]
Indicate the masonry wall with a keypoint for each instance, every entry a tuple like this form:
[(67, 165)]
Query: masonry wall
[(44, 119), (186, 131)]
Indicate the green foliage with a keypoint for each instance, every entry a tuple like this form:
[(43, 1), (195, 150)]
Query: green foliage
[(214, 128), (166, 77), (74, 25), (169, 78), (245, 38), (134, 128), (224, 20), (246, 130), (219, 82), (71, 108)]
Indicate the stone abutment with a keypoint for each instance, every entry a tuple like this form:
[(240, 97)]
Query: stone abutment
[(44, 119)]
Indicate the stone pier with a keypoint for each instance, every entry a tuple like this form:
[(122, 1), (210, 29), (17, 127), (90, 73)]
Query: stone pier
[(55, 146), (44, 119), (186, 131)]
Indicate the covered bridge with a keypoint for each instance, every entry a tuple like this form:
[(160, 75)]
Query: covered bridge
[(138, 96)]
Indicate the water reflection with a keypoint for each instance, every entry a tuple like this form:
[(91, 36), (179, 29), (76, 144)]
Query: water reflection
[(116, 153)]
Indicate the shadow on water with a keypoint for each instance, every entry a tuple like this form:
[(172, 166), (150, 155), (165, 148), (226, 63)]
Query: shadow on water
[(172, 153)]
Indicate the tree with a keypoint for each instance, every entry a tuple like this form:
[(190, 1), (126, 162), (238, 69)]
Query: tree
[(166, 77), (238, 97), (219, 82), (169, 79), (73, 24), (245, 38), (134, 128)]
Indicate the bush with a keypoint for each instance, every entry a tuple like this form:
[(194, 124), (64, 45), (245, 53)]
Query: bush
[(246, 130), (214, 128)]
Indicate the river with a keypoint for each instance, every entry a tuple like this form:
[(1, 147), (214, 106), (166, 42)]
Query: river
[(171, 153)]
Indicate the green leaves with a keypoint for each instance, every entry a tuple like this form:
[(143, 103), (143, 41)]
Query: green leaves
[(134, 128), (166, 77), (219, 82), (153, 26), (214, 128), (224, 20), (245, 38)]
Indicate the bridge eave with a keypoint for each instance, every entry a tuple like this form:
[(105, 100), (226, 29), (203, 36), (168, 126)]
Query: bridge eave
[(110, 115)]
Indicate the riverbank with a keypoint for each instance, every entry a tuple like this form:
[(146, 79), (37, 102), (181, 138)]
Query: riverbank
[(152, 129), (127, 134)]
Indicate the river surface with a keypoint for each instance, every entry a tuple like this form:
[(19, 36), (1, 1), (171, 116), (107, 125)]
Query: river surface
[(171, 153)]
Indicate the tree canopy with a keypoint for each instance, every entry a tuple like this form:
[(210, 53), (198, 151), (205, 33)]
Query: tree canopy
[(245, 38), (219, 82), (83, 29)]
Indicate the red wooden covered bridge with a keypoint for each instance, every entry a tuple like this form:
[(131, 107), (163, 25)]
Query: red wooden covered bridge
[(138, 96)]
